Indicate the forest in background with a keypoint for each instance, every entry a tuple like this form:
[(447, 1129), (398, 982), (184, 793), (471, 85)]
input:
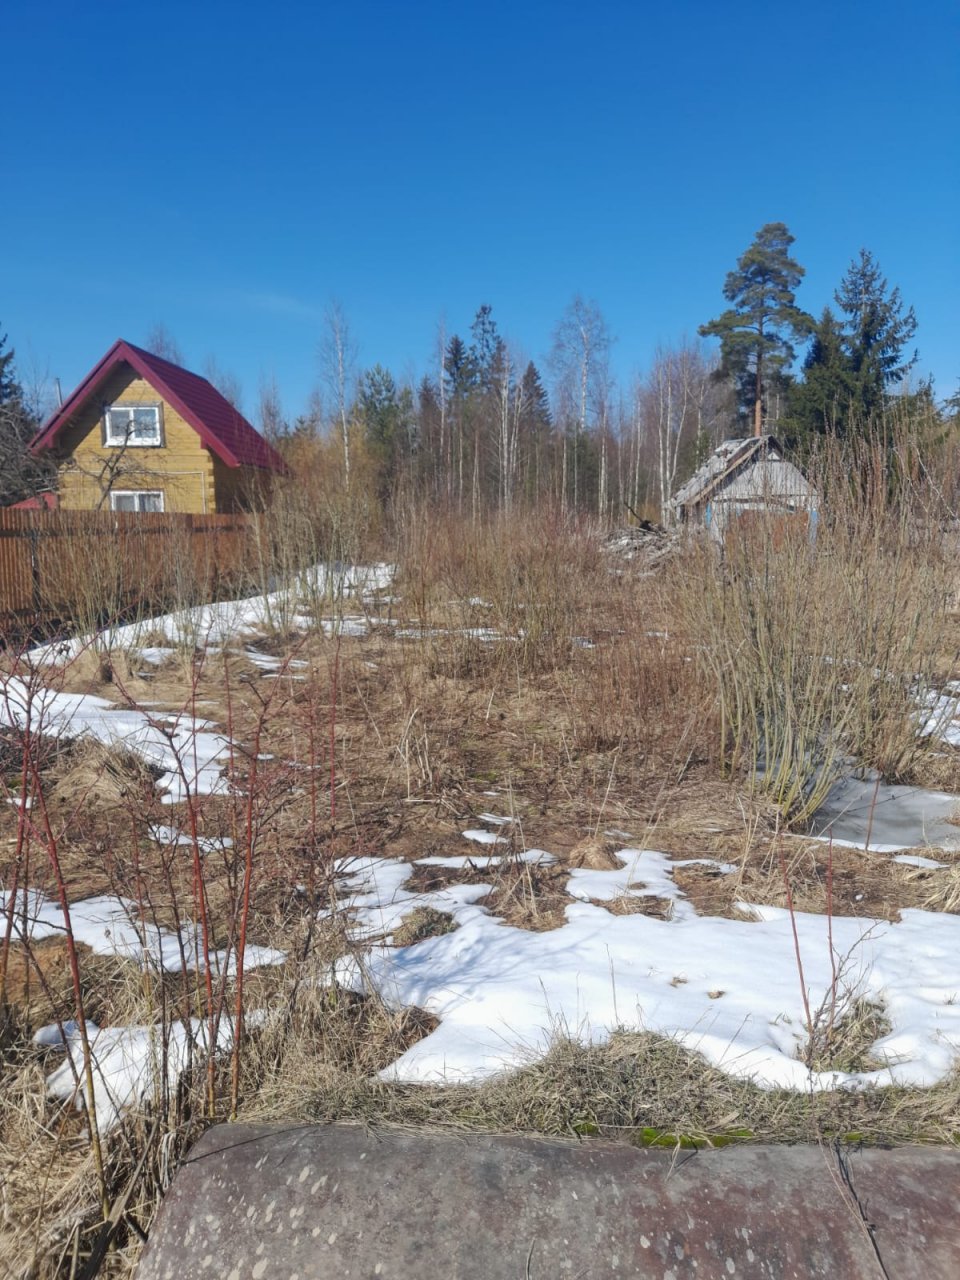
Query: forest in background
[(485, 428)]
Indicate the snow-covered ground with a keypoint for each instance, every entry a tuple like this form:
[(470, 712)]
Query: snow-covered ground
[(112, 926), (726, 988), (213, 625), (129, 1061), (188, 752), (131, 1064)]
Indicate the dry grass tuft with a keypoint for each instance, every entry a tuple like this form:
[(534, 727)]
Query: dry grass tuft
[(598, 853), (421, 923), (91, 771)]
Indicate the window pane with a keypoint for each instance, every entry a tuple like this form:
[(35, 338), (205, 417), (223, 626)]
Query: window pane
[(151, 501), (123, 502), (146, 425), (118, 423), (133, 424)]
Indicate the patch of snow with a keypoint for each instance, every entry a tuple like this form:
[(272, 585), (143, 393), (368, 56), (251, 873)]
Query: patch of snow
[(174, 836), (537, 857), (212, 625), (185, 750), (56, 1035), (915, 860), (109, 926), (271, 663), (155, 654), (128, 1062), (501, 993), (644, 874), (855, 844), (939, 716), (483, 837), (376, 900)]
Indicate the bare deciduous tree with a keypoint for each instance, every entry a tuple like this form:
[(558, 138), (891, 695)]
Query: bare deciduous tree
[(163, 344), (338, 363), (581, 344), (228, 384), (676, 410)]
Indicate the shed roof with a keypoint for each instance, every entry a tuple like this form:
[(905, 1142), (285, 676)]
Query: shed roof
[(761, 453), (221, 427)]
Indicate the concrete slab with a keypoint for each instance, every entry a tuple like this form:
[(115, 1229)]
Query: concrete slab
[(253, 1202)]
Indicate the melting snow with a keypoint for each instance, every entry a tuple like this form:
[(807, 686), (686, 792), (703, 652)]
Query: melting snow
[(128, 1061), (186, 751), (215, 624), (483, 837), (109, 926), (728, 989)]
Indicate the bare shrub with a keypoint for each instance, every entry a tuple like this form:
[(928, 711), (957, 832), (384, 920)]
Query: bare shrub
[(523, 586), (822, 648)]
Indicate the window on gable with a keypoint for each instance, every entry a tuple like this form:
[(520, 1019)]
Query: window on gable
[(132, 424), (138, 500)]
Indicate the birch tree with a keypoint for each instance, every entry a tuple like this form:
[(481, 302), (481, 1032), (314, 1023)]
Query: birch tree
[(581, 344), (338, 365)]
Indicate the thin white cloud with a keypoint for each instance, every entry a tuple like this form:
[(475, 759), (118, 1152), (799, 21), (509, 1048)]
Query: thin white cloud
[(275, 303)]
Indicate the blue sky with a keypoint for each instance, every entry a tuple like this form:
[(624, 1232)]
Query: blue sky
[(226, 170)]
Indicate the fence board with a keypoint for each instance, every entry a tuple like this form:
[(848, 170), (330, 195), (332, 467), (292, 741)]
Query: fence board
[(61, 565)]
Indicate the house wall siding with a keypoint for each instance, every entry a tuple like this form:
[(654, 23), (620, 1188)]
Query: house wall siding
[(182, 466), (240, 488)]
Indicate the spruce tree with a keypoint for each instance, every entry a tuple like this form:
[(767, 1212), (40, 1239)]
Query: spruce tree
[(876, 331), (821, 403), (20, 473), (757, 332)]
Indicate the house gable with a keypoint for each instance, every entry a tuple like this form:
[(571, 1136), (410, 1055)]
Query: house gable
[(181, 467), (202, 437)]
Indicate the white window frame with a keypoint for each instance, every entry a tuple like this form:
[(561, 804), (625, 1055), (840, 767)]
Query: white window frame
[(116, 439), (137, 494)]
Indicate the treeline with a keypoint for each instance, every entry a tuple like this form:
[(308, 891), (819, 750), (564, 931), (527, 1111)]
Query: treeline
[(486, 428)]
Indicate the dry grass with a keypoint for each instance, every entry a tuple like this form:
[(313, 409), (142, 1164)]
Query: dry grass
[(820, 650), (585, 707)]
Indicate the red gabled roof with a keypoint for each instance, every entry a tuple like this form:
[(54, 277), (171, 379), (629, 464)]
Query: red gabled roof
[(220, 426), (40, 502)]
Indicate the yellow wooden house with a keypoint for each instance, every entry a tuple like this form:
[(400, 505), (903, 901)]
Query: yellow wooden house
[(142, 434)]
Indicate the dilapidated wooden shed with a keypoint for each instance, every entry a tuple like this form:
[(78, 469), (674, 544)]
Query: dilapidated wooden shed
[(744, 478)]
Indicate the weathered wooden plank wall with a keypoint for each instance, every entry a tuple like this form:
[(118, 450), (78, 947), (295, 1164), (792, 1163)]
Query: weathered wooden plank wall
[(59, 565)]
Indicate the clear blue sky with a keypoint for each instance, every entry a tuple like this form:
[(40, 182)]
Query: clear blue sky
[(226, 170)]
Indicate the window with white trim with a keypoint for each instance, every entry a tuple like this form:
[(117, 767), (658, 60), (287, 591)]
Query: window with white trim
[(132, 424), (138, 500)]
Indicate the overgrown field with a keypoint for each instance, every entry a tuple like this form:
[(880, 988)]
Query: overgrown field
[(269, 861)]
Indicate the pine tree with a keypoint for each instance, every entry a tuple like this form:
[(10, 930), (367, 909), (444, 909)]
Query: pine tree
[(757, 332), (387, 415)]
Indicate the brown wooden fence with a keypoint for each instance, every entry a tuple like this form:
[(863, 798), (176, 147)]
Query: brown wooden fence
[(92, 566)]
